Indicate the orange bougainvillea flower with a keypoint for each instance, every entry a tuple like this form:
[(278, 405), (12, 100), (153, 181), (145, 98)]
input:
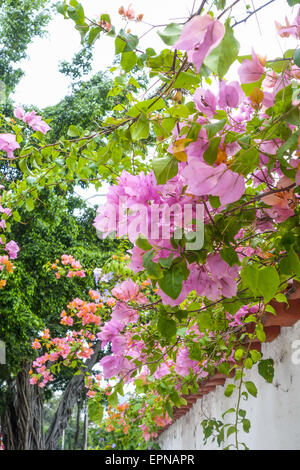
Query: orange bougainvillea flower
[(282, 199), (221, 156), (256, 97), (179, 149)]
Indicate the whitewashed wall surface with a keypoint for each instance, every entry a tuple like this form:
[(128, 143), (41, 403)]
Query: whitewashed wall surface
[(274, 414)]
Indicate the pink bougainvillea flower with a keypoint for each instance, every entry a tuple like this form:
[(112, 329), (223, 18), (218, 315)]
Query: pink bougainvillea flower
[(199, 37), (32, 119), (252, 70), (184, 363), (114, 365), (283, 203), (296, 164), (161, 371), (19, 113), (219, 181), (281, 199), (8, 144), (230, 94), (36, 344), (289, 29), (136, 263), (128, 291), (270, 80), (205, 101), (119, 345), (123, 313), (12, 248), (110, 330)]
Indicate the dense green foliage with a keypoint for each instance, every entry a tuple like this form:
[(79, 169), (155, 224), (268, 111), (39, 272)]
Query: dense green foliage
[(34, 298), (20, 22)]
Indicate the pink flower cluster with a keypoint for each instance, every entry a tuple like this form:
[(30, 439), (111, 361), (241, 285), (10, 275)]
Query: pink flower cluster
[(12, 248), (241, 314), (32, 119), (8, 143), (68, 260), (199, 37)]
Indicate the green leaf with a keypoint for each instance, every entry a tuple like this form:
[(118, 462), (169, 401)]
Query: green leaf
[(229, 390), (95, 412), (76, 12), (221, 58), (215, 127), (166, 327), (259, 331), (23, 165), (231, 430), (113, 399), (246, 425), (125, 42), (140, 129), (143, 243), (210, 155), (128, 60), (293, 116), (230, 410), (278, 65), (166, 262), (214, 201), (170, 34), (249, 87), (249, 276), (224, 368), (169, 409), (266, 369), (29, 204), (293, 2), (255, 355), (229, 255), (165, 168), (270, 309), (171, 282), (148, 106), (73, 131), (94, 34), (251, 387), (248, 363), (204, 321), (16, 216), (153, 269), (268, 282), (245, 161), (291, 144), (281, 298), (186, 80), (239, 353)]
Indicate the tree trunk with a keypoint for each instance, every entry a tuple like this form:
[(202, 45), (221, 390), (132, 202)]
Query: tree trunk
[(63, 440), (76, 437), (67, 402), (85, 427), (22, 420)]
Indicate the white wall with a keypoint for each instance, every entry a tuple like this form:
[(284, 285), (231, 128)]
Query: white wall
[(274, 414)]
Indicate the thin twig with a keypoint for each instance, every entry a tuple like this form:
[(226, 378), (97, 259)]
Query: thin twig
[(252, 13)]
